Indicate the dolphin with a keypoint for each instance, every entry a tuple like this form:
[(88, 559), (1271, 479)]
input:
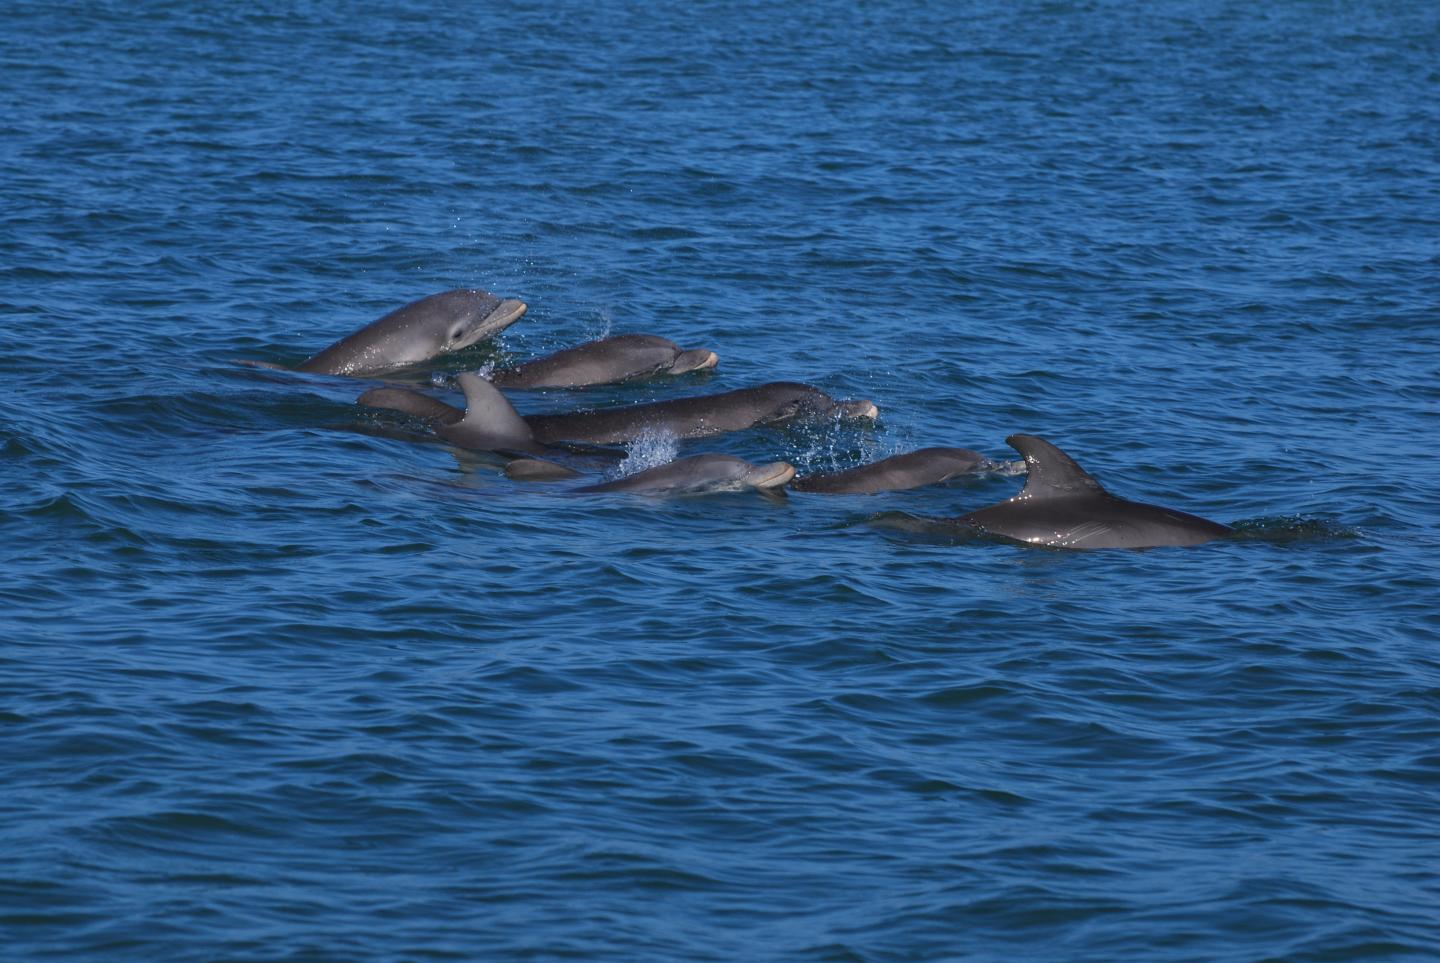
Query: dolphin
[(1063, 507), (625, 357), (697, 417), (488, 422), (701, 475), (928, 466), (419, 331)]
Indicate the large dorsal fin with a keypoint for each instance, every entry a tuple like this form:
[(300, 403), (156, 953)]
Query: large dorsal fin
[(488, 413), (1052, 473)]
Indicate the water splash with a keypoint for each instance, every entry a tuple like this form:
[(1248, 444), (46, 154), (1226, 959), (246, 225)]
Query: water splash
[(829, 444), (1005, 467), (653, 448)]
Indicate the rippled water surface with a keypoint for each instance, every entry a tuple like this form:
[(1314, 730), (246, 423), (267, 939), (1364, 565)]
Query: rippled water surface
[(274, 690)]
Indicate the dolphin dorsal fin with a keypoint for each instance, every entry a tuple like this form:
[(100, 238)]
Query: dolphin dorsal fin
[(1052, 473), (488, 412)]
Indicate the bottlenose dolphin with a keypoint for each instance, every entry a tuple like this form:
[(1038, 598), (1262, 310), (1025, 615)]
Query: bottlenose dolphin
[(1063, 507), (697, 417), (487, 423), (624, 357), (417, 332), (490, 422), (928, 466), (699, 475)]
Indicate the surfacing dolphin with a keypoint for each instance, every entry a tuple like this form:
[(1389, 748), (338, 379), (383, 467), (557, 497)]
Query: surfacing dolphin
[(701, 475), (421, 330), (699, 416), (913, 469), (1063, 507), (625, 357), (488, 422)]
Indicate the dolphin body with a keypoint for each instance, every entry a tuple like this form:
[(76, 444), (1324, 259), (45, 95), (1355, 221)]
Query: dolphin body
[(697, 417), (488, 421), (1063, 507), (625, 357), (701, 475), (421, 330), (914, 469)]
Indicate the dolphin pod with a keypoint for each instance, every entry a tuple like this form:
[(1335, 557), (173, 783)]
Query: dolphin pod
[(1060, 506)]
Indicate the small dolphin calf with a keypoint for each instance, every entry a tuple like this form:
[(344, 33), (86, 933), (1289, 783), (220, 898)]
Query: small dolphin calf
[(697, 417), (1063, 507), (417, 332), (700, 475), (625, 357), (928, 466)]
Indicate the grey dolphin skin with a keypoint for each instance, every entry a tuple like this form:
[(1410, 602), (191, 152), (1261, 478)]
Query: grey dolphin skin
[(1063, 507), (697, 417), (417, 332), (488, 423), (700, 475), (625, 357), (914, 469), (413, 403)]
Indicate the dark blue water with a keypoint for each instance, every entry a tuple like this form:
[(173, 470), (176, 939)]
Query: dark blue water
[(272, 690)]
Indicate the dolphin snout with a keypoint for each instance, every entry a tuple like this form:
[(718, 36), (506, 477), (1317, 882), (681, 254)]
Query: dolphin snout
[(696, 359), (507, 312), (861, 409), (773, 475)]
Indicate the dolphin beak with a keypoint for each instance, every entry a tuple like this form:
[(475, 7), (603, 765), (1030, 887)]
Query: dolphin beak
[(773, 475), (862, 409), (506, 313), (699, 359)]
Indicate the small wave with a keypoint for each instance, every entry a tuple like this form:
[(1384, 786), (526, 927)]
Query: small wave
[(1291, 528)]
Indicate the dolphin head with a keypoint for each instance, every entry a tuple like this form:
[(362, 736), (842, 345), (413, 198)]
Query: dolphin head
[(467, 315), (696, 359)]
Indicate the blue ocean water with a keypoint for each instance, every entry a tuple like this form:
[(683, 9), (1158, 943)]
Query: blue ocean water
[(272, 690)]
